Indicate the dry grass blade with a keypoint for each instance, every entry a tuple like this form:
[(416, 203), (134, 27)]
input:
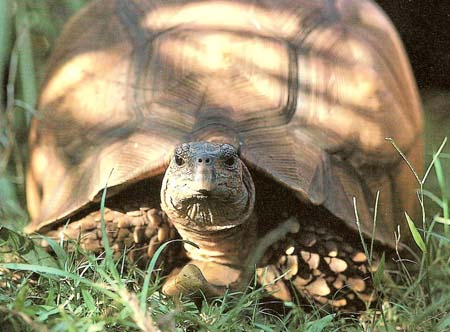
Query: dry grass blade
[(142, 319)]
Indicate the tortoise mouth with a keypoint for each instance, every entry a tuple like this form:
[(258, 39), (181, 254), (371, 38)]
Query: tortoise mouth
[(206, 197), (204, 210), (200, 197)]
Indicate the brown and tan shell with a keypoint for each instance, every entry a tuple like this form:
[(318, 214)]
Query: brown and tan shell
[(308, 90)]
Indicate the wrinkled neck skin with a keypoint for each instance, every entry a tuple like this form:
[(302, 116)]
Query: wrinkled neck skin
[(210, 201)]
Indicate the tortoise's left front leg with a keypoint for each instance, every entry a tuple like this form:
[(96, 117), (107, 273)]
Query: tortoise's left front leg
[(316, 264)]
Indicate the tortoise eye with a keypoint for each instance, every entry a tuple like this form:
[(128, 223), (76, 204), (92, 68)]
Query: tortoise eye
[(179, 161), (230, 161)]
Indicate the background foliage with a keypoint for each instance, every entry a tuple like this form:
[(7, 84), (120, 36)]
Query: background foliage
[(28, 30)]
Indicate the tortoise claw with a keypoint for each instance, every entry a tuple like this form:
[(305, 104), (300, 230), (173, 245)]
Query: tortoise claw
[(190, 281)]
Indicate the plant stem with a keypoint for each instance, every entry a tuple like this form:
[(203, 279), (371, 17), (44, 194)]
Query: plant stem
[(27, 76), (5, 46)]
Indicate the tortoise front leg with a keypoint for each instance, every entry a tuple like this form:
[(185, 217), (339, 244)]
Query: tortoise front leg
[(316, 264), (190, 281), (137, 232)]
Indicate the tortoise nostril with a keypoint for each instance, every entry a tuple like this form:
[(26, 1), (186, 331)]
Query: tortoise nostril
[(207, 161)]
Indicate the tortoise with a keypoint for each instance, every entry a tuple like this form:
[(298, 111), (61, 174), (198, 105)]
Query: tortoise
[(217, 121)]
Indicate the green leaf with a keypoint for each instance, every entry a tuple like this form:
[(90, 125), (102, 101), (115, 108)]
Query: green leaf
[(51, 296), (6, 14), (108, 251), (11, 213), (442, 220), (61, 273), (320, 324), (379, 273), (23, 247), (45, 312), (264, 328), (415, 233), (439, 236), (57, 249), (151, 268), (444, 324), (435, 157), (90, 303), (27, 72), (21, 296)]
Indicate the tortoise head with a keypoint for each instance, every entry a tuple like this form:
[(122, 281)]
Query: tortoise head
[(207, 187)]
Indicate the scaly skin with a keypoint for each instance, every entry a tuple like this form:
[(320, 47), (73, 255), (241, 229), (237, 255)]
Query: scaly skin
[(208, 195)]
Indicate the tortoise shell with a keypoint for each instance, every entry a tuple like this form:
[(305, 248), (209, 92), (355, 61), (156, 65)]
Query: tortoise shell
[(306, 90)]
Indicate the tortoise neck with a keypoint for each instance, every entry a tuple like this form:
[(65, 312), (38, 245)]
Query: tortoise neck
[(228, 246)]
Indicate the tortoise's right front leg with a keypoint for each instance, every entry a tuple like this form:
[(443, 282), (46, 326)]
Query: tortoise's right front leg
[(137, 232)]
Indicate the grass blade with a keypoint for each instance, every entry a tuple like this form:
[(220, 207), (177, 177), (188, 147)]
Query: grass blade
[(57, 249), (396, 147), (88, 299), (415, 233), (358, 225), (25, 248), (434, 198), (442, 220), (320, 324), (375, 215), (151, 268), (28, 83), (108, 251), (61, 273), (435, 157), (5, 41), (439, 237), (379, 273)]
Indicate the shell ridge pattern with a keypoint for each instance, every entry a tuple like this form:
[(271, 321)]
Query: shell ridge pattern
[(283, 81), (239, 118)]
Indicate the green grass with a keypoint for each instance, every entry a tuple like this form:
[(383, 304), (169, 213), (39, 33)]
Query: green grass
[(76, 291)]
